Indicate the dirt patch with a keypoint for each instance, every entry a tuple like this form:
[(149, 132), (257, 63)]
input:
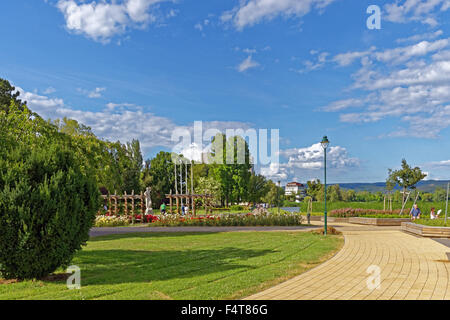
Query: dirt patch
[(9, 281), (57, 277), (330, 230)]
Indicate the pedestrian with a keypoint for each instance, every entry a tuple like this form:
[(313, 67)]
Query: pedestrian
[(415, 212), (434, 215), (163, 208)]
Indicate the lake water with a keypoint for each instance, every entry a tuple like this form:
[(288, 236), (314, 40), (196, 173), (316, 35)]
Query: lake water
[(291, 209)]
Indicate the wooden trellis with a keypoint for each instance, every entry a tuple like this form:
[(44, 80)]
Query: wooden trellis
[(115, 200), (191, 197)]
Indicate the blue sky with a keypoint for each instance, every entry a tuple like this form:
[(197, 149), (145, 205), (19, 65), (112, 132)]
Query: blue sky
[(142, 68)]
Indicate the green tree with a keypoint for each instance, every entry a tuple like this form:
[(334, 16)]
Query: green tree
[(161, 177), (335, 193), (232, 167), (315, 189), (439, 194), (9, 94), (274, 196), (208, 185), (48, 200), (257, 188), (406, 177)]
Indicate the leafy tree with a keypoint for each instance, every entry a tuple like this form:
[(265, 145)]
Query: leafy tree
[(439, 194), (315, 189), (208, 185), (348, 195), (257, 188), (406, 177), (275, 195), (8, 93), (232, 175), (335, 193), (161, 177)]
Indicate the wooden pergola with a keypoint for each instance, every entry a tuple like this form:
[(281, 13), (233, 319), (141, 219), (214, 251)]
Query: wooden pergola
[(132, 203), (190, 200)]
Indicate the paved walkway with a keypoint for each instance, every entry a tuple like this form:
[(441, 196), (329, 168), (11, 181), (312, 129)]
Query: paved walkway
[(411, 268), (95, 232)]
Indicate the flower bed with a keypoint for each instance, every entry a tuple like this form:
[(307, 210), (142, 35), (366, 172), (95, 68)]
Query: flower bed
[(230, 220), (353, 212), (111, 221)]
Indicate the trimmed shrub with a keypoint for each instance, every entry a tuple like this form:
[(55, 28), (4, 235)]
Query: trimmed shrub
[(47, 206), (236, 208)]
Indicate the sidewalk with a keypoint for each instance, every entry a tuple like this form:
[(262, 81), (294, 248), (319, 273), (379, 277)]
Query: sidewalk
[(411, 268)]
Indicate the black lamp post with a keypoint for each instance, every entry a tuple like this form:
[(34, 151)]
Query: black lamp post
[(325, 143)]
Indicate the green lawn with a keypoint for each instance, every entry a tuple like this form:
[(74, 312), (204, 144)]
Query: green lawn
[(184, 265), (434, 223)]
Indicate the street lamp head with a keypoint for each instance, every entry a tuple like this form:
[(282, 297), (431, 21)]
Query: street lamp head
[(325, 143)]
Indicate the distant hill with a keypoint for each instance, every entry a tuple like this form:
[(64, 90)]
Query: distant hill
[(425, 186)]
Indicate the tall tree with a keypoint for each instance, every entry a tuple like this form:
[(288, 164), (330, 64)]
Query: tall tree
[(9, 93), (257, 188), (162, 176)]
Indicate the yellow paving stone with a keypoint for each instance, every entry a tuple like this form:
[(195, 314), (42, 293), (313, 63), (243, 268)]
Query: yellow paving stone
[(410, 269)]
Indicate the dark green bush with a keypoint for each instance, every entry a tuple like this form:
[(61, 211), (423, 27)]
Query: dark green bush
[(47, 206)]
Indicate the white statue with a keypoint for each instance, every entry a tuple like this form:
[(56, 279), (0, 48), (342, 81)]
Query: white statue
[(148, 201)]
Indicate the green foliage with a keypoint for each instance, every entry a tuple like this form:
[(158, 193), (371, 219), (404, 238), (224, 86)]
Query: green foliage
[(161, 173), (115, 166), (208, 185), (231, 167), (8, 95), (275, 195), (48, 201), (406, 177), (257, 188)]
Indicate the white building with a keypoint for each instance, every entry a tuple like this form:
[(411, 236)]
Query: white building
[(294, 188)]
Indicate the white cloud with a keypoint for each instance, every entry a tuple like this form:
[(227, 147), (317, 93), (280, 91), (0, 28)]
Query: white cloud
[(399, 55), (345, 59), (307, 163), (420, 37), (49, 90), (93, 94), (36, 101), (102, 20), (121, 121), (250, 12), (410, 83), (423, 11), (247, 64)]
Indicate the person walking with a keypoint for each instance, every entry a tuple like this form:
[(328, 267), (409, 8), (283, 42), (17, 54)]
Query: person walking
[(163, 208), (415, 212)]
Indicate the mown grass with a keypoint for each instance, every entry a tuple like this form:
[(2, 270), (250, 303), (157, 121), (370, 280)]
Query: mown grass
[(184, 265), (433, 223)]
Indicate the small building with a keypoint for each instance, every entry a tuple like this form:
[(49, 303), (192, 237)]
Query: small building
[(295, 188)]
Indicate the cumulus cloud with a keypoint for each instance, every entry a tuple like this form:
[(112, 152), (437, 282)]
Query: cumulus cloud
[(122, 121), (101, 20), (96, 93), (251, 12), (411, 83), (247, 64), (423, 11), (307, 163)]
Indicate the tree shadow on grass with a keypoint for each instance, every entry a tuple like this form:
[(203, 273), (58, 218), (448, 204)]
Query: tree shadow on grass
[(158, 234), (128, 266)]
